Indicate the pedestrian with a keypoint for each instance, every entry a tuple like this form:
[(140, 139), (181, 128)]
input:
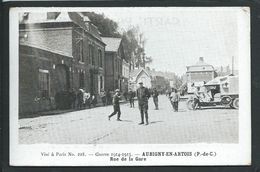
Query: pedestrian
[(131, 98), (80, 98), (196, 102), (86, 99), (116, 105), (125, 95), (73, 97), (155, 98), (108, 97), (175, 97), (93, 100), (143, 95), (103, 97)]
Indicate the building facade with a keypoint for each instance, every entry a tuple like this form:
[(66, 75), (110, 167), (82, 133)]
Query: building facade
[(58, 52), (114, 57), (139, 75), (199, 73)]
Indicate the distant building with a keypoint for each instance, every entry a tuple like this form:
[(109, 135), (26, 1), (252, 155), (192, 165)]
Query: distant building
[(159, 80), (58, 51), (114, 56), (139, 75), (199, 73)]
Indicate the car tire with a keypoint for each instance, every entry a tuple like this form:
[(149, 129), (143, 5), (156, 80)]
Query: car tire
[(190, 104), (235, 103)]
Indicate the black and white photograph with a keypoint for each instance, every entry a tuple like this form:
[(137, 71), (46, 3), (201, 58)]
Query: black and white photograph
[(130, 86)]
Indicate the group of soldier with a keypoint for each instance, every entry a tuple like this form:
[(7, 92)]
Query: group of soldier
[(143, 94)]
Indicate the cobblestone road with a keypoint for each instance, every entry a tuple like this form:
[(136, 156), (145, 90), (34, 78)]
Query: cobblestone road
[(91, 126)]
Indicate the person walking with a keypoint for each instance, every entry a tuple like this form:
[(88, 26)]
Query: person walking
[(116, 105), (175, 97), (155, 98), (131, 98), (171, 94), (143, 95)]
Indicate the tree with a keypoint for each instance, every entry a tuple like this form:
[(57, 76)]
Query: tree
[(133, 42), (106, 26)]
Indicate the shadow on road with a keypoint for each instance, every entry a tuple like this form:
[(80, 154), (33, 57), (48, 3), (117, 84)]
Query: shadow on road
[(154, 122), (124, 120)]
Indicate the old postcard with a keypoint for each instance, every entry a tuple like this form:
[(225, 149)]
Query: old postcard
[(124, 86)]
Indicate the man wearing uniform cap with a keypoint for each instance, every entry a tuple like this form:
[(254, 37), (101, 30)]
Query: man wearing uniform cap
[(143, 95), (116, 105)]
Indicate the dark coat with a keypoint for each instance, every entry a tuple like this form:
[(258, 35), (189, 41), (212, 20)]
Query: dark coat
[(143, 95)]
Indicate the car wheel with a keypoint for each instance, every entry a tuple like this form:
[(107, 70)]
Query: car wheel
[(235, 103), (190, 104)]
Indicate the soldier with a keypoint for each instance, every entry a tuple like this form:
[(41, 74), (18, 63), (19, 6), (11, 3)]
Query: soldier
[(155, 98), (143, 95), (116, 105), (175, 97)]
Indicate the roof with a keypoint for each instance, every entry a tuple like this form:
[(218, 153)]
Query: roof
[(45, 49), (112, 44), (200, 66), (136, 72), (217, 80), (63, 17)]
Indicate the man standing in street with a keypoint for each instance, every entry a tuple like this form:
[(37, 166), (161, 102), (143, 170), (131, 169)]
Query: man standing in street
[(143, 95), (175, 97), (116, 105), (155, 98)]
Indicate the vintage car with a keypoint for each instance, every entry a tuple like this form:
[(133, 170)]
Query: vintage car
[(219, 91)]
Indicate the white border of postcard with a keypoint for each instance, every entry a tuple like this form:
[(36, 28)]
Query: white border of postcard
[(222, 154)]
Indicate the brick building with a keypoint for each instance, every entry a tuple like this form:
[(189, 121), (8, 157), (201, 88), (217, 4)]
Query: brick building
[(114, 56), (58, 51)]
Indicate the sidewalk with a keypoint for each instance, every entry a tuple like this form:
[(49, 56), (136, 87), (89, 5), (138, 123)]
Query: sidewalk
[(61, 111)]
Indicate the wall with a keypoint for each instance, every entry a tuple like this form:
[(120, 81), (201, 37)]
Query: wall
[(30, 61)]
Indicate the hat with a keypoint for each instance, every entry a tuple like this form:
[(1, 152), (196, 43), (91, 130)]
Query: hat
[(117, 90), (140, 82)]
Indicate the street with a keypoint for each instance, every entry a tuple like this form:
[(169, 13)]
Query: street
[(91, 126)]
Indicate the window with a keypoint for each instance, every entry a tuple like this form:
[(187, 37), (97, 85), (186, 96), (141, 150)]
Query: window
[(80, 51), (119, 66), (101, 83), (115, 65), (91, 54), (44, 86), (100, 59)]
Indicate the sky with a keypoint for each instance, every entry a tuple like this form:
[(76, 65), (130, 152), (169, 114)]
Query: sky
[(177, 37)]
